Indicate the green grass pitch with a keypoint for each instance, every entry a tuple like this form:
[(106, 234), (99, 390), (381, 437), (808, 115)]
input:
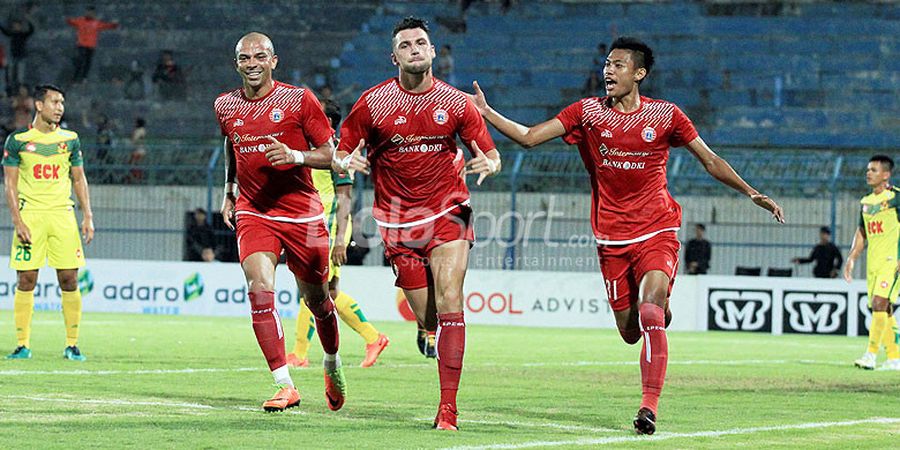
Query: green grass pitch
[(196, 382)]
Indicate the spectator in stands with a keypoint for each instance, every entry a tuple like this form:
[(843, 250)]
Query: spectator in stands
[(826, 255), (446, 65), (105, 138), (134, 86), (18, 31), (169, 77), (199, 238), (698, 252), (138, 150), (23, 108), (88, 28)]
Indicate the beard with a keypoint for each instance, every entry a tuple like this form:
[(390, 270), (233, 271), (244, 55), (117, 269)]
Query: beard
[(417, 68)]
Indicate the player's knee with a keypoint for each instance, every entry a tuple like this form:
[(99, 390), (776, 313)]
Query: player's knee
[(26, 281), (657, 298), (631, 336), (450, 299), (68, 283)]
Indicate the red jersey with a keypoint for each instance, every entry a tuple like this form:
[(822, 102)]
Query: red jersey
[(88, 29), (625, 155), (293, 116), (414, 159)]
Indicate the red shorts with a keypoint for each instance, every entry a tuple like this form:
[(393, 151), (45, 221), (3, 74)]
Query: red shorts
[(623, 266), (305, 245), (407, 249)]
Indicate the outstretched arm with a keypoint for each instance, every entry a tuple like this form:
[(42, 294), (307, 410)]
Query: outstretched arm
[(722, 171), (527, 137)]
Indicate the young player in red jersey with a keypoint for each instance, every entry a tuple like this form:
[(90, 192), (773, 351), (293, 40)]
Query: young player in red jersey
[(624, 141), (273, 131), (409, 125)]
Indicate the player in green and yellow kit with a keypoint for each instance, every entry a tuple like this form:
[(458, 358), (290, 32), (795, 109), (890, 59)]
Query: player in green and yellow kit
[(335, 192), (42, 164), (879, 224)]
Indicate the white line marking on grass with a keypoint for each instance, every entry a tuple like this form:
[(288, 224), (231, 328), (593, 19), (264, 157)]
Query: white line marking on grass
[(513, 423), (127, 372), (666, 436), (111, 402), (700, 362)]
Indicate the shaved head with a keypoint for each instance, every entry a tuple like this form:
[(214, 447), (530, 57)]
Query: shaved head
[(255, 37)]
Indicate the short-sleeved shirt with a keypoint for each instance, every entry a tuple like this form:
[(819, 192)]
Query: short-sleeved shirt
[(44, 161), (294, 117), (878, 220), (411, 141), (625, 155)]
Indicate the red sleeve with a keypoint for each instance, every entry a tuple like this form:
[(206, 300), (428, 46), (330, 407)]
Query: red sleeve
[(108, 25), (473, 128), (72, 21), (683, 130), (219, 119), (316, 126), (356, 126), (571, 121)]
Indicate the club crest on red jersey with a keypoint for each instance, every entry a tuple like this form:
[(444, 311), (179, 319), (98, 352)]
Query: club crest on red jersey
[(276, 115), (440, 116), (648, 134)]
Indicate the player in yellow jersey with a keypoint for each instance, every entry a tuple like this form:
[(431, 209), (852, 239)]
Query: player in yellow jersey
[(879, 225), (335, 192), (42, 164)]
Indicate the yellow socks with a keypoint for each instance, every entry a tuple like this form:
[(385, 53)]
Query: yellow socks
[(350, 313), (891, 338), (23, 309), (306, 326), (879, 323), (71, 306)]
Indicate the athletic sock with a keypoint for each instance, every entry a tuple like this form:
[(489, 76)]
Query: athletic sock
[(71, 308), (283, 376), (879, 323), (331, 362), (451, 347), (352, 315), (23, 310), (306, 326), (267, 327), (654, 354), (890, 337), (326, 325)]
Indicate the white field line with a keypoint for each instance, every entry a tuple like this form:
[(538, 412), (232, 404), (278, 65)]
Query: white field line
[(738, 362), (114, 402), (667, 436), (551, 425)]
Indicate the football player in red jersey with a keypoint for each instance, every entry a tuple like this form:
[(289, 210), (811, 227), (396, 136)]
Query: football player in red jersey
[(274, 133), (409, 125), (624, 141)]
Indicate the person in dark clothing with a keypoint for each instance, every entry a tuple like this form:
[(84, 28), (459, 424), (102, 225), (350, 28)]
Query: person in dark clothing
[(826, 255), (198, 238), (698, 252), (18, 32)]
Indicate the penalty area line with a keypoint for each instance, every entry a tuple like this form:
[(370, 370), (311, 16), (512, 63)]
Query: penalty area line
[(667, 436)]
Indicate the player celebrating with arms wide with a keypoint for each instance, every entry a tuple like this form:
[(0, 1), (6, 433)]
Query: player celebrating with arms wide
[(274, 133), (624, 141), (409, 125)]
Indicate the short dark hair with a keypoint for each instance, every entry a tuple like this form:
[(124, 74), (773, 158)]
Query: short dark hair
[(140, 122), (409, 23), (643, 54), (333, 112), (40, 91), (884, 160), (825, 230), (701, 227)]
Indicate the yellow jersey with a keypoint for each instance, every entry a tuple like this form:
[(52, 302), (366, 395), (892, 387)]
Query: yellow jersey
[(44, 161), (880, 224), (326, 183)]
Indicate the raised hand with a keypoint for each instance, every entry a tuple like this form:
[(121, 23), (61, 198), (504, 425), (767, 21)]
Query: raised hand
[(481, 164), (478, 99)]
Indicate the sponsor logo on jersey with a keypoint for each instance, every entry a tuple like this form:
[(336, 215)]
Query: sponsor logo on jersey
[(606, 134), (648, 134), (884, 284), (236, 138), (30, 147), (875, 227), (815, 312), (606, 151), (46, 171), (397, 139), (439, 116), (400, 120), (421, 148), (624, 165), (865, 209), (276, 115), (238, 123), (740, 310)]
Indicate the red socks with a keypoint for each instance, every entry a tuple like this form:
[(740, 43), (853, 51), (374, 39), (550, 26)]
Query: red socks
[(326, 325), (451, 345), (654, 354), (267, 327)]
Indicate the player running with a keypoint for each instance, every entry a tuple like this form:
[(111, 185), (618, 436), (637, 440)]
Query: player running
[(409, 125), (336, 193), (624, 141), (879, 226), (41, 165), (274, 133)]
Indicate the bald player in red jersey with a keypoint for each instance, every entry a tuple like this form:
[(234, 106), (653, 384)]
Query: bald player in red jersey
[(624, 141), (274, 133), (409, 125)]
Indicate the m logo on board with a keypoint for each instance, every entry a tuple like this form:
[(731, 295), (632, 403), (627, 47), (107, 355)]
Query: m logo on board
[(815, 312), (740, 310)]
